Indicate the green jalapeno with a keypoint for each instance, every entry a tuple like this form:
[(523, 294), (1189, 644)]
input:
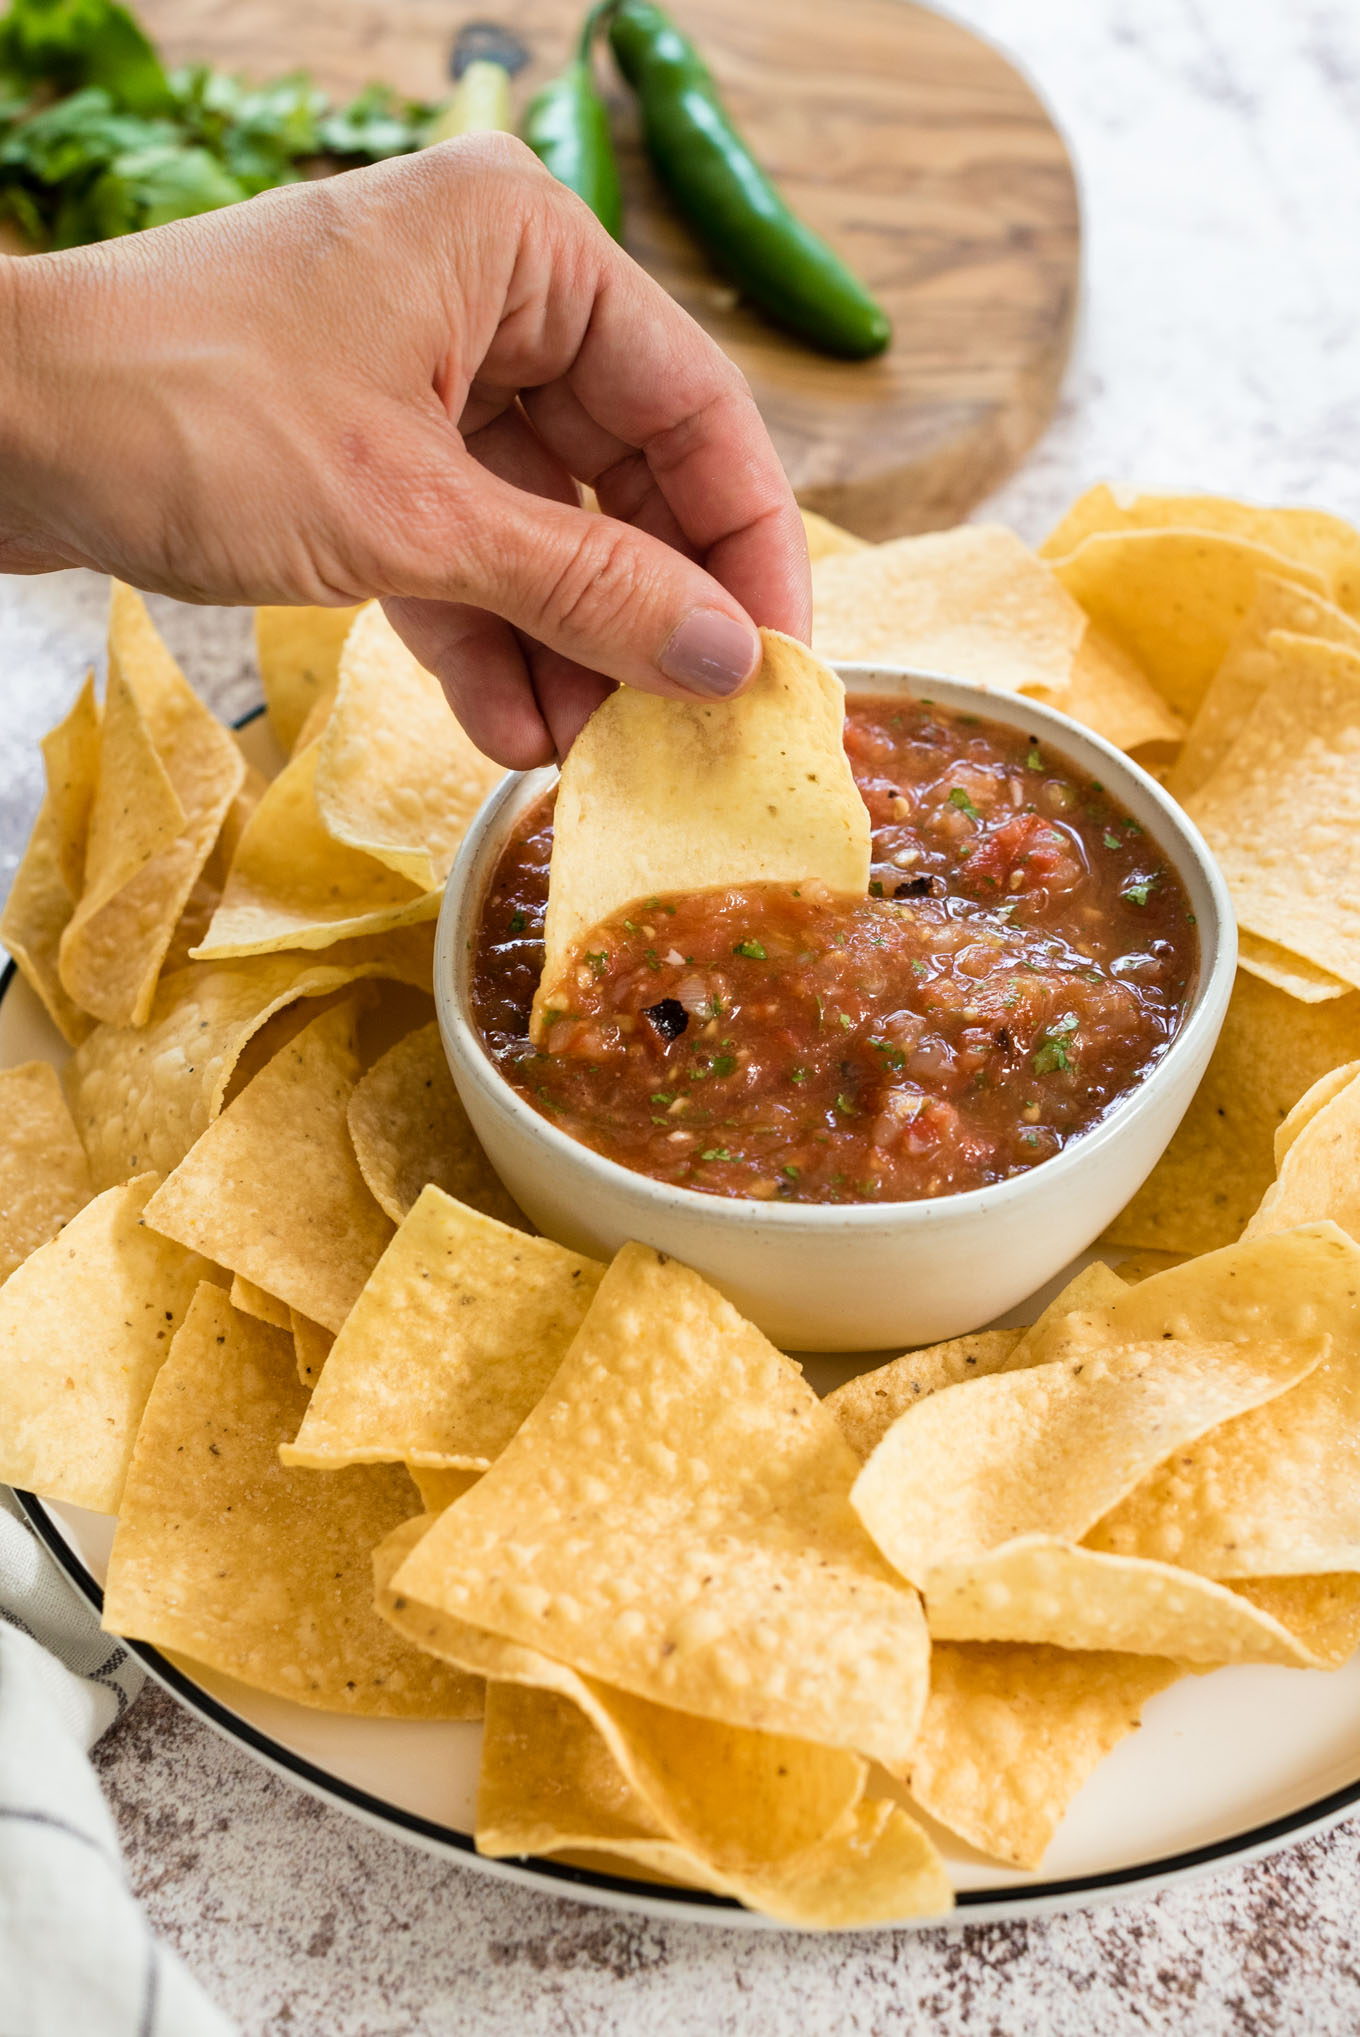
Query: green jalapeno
[(774, 259), (567, 127)]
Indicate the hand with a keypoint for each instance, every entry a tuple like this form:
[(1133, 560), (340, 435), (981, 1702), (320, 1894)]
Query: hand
[(390, 383)]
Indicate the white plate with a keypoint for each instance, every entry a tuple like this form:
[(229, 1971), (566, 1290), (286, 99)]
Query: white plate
[(1226, 1766)]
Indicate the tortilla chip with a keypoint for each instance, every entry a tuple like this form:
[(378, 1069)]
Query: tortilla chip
[(826, 540), (1040, 1590), (1326, 544), (272, 1188), (1319, 1174), (1324, 1612), (1011, 1733), (1310, 1103), (44, 1175), (1282, 810), (141, 1096), (973, 603), (409, 1128), (1220, 1163), (71, 763), (667, 795), (36, 913), (437, 1489), (1143, 1265), (51, 872), (292, 885), (195, 918), (116, 942), (1111, 693), (85, 1324), (135, 811), (299, 653), (388, 1005), (1173, 599), (311, 1349), (314, 727), (674, 1518), (1276, 965), (776, 1821), (1092, 1287), (253, 1301), (549, 1785), (1249, 665), (449, 1347), (1050, 1450), (1275, 1492), (866, 1407), (262, 1573), (396, 777)]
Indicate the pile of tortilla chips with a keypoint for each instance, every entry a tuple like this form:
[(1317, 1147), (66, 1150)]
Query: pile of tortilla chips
[(375, 1446)]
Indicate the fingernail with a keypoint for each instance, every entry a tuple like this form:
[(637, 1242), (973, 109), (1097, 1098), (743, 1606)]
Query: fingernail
[(711, 652)]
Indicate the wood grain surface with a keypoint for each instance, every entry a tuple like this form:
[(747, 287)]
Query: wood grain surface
[(913, 145)]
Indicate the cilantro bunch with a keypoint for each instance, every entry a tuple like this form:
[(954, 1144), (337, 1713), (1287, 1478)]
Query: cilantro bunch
[(98, 139)]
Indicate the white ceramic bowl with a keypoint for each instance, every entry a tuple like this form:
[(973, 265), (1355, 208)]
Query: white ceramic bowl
[(866, 1276)]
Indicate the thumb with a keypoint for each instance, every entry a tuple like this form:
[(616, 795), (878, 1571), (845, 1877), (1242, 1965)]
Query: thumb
[(601, 593)]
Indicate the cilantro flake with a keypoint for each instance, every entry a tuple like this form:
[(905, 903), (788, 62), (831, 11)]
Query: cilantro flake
[(753, 951)]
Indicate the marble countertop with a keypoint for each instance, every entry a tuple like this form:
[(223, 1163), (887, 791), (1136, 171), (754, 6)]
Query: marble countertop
[(1218, 143)]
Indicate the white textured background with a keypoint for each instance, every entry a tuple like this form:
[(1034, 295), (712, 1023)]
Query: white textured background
[(1218, 143)]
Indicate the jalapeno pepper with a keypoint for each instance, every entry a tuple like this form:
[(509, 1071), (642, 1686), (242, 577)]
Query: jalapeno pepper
[(774, 259), (567, 127)]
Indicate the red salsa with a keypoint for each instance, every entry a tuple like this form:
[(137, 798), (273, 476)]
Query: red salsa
[(1023, 960)]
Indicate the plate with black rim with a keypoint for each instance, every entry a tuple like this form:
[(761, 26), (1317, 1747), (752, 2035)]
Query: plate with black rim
[(1226, 1766)]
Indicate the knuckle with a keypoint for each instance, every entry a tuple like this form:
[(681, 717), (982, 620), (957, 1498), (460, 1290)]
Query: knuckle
[(595, 586)]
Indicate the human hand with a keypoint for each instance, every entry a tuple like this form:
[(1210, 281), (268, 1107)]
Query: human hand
[(390, 383)]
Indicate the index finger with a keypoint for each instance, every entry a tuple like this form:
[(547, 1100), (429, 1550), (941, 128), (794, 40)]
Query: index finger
[(650, 409)]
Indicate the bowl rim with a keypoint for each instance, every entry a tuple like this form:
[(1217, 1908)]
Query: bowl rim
[(1180, 842)]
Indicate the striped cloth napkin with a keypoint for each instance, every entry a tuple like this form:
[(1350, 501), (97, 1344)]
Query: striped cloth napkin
[(77, 1956)]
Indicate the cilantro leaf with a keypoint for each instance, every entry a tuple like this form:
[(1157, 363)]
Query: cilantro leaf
[(96, 139), (74, 43), (959, 798), (753, 951)]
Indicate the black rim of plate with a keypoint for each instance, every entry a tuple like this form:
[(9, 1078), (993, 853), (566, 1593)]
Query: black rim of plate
[(1258, 1838)]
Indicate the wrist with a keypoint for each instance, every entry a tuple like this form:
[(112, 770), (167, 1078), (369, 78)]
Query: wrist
[(46, 371), (25, 429)]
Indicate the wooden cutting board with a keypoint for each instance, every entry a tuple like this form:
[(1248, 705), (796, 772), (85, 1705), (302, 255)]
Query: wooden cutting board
[(915, 147)]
